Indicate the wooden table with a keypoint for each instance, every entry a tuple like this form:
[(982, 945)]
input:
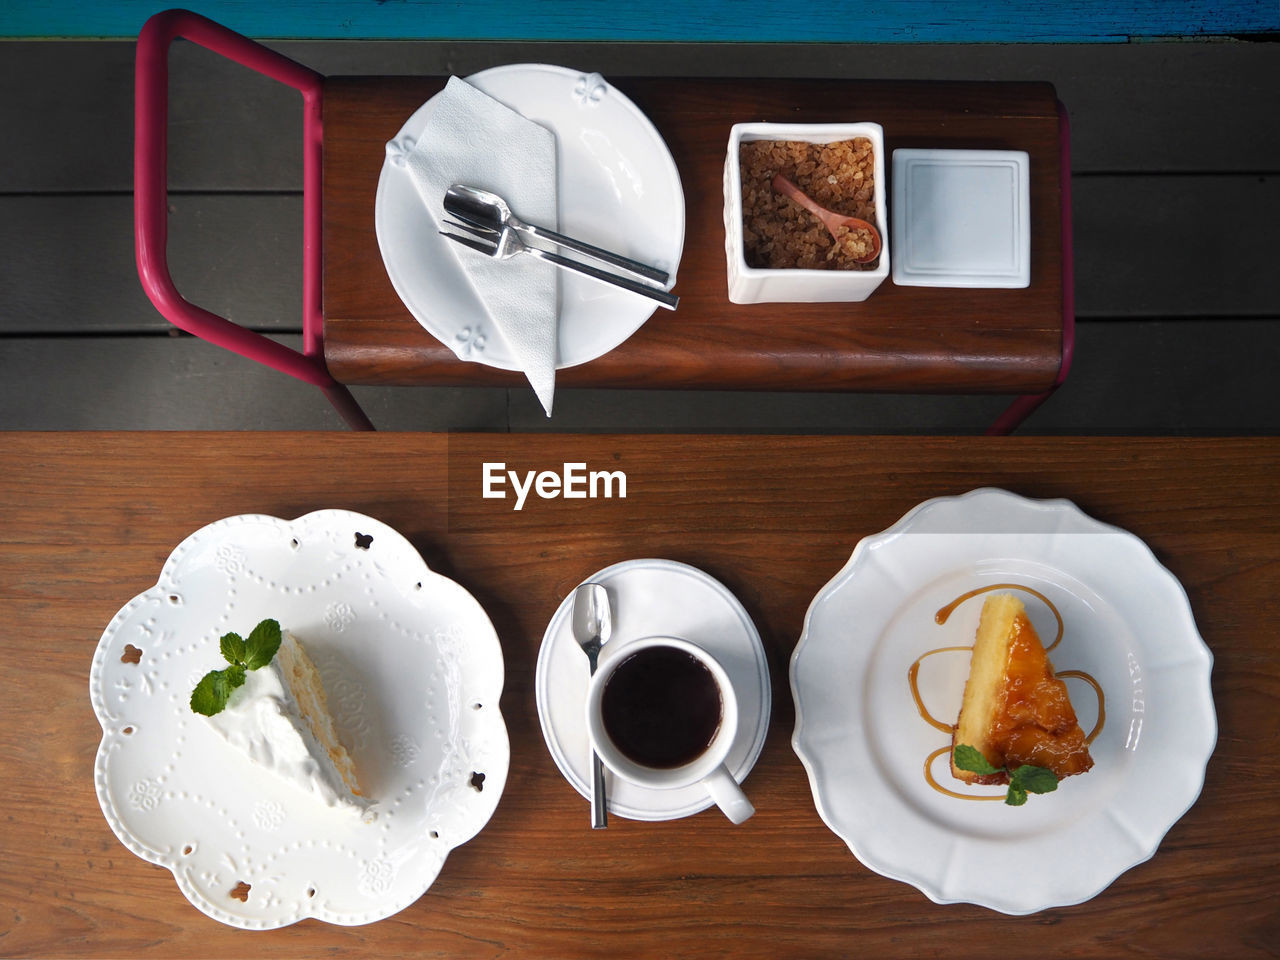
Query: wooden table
[(87, 519), (913, 339)]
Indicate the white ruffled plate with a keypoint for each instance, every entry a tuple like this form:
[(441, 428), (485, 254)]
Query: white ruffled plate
[(618, 188), (1127, 622), (413, 671)]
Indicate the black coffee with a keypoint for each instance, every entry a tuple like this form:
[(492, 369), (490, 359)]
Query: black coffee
[(661, 707)]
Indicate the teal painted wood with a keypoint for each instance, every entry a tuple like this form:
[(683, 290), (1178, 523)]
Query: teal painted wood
[(746, 21)]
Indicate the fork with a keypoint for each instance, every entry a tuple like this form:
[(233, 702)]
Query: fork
[(482, 209), (505, 243)]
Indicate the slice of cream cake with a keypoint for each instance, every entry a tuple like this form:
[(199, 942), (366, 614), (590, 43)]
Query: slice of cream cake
[(280, 719), (1015, 709)]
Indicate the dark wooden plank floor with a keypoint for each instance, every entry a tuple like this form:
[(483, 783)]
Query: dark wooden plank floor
[(1176, 159)]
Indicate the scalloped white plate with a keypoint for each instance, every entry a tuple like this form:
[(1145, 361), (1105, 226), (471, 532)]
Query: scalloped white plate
[(1127, 622), (413, 671)]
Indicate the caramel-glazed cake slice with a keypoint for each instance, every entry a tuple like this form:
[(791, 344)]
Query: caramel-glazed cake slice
[(1015, 710)]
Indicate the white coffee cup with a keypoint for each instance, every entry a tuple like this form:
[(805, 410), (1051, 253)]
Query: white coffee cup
[(707, 767)]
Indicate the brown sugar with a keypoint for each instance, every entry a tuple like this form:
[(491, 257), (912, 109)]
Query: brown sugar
[(777, 233)]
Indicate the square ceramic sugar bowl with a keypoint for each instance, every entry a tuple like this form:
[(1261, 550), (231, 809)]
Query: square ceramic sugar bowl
[(748, 284)]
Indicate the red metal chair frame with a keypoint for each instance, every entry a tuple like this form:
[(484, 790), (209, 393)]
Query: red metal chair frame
[(151, 191)]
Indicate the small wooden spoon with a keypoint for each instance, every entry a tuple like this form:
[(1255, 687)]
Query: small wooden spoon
[(830, 219)]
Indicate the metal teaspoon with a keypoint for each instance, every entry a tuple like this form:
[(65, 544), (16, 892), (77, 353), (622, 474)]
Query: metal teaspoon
[(592, 627)]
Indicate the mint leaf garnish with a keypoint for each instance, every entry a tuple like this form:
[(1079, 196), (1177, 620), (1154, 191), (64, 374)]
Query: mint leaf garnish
[(224, 681), (971, 759), (211, 694), (262, 644), (207, 699), (1023, 779), (214, 689), (232, 647), (1034, 779)]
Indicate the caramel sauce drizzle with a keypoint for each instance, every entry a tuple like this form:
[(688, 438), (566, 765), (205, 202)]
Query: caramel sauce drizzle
[(913, 680)]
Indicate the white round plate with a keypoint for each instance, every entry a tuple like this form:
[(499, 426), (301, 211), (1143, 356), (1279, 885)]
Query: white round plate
[(1127, 621), (652, 598), (618, 188), (413, 672)]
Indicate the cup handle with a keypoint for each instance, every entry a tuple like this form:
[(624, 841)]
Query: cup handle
[(728, 795)]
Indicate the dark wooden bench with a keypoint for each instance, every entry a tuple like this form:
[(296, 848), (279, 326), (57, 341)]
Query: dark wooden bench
[(904, 339)]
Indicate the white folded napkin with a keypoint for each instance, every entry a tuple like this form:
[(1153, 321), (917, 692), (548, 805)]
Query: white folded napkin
[(473, 139)]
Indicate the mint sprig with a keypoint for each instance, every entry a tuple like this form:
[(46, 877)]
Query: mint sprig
[(1023, 779), (211, 694), (232, 645), (971, 759), (262, 645)]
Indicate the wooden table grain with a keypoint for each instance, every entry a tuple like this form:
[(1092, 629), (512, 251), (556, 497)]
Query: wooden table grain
[(86, 520), (916, 339)]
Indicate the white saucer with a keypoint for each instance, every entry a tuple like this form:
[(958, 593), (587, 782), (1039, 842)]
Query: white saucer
[(652, 598), (961, 218)]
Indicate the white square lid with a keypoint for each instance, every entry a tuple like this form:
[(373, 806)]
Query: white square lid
[(961, 218)]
